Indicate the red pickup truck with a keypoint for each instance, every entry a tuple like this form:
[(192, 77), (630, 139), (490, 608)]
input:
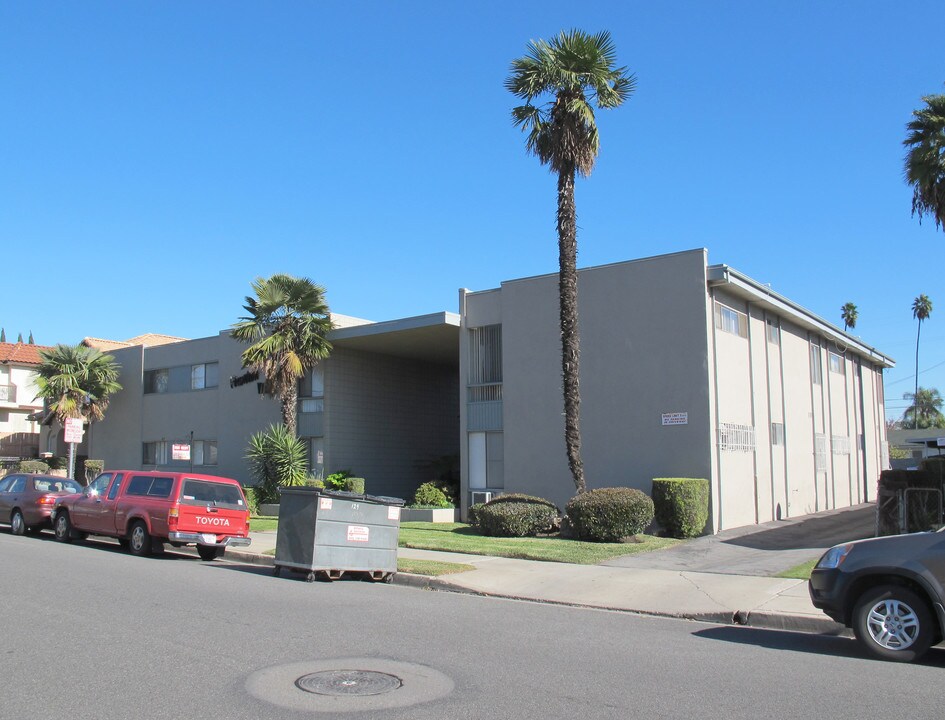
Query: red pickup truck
[(144, 509)]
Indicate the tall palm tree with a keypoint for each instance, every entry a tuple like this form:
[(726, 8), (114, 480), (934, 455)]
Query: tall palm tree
[(925, 160), (925, 410), (921, 309), (287, 325), (850, 314), (568, 73), (76, 382)]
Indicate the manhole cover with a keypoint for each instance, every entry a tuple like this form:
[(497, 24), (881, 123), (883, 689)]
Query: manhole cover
[(348, 682)]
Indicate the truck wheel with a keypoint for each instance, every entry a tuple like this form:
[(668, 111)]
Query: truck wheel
[(63, 527), (209, 552), (139, 539), (893, 623), (17, 523)]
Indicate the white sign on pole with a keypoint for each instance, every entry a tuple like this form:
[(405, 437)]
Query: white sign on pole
[(74, 430), (676, 418), (180, 451)]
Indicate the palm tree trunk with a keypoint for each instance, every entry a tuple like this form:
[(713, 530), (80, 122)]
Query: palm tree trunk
[(290, 407), (570, 341), (915, 398)]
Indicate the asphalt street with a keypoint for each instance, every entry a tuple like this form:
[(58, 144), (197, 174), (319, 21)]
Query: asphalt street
[(91, 632)]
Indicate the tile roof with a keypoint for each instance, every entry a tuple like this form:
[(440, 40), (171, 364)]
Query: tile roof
[(21, 353), (148, 340)]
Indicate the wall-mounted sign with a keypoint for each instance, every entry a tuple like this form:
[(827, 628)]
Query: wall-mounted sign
[(180, 451), (679, 418)]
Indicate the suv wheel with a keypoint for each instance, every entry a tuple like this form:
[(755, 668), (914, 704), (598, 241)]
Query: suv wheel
[(139, 539), (893, 623)]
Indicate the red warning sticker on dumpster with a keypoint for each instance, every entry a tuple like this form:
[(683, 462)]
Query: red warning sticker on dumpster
[(324, 503), (393, 512), (358, 533)]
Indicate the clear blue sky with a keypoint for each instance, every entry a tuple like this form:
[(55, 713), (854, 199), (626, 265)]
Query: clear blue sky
[(155, 157)]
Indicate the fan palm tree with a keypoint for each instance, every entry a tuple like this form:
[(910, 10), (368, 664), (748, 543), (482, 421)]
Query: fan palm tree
[(287, 325), (925, 410), (850, 314), (925, 160), (76, 382), (921, 309), (568, 73)]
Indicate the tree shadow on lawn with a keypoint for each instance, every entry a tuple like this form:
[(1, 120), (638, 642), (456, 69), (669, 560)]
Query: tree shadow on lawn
[(834, 645)]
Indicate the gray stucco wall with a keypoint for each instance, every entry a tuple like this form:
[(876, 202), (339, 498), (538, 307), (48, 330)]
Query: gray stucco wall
[(643, 353)]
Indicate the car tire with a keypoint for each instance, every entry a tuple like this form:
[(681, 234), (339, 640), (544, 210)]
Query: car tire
[(894, 623), (62, 527), (209, 552), (17, 522), (139, 539)]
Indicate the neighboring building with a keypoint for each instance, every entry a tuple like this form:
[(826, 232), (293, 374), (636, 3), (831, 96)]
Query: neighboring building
[(147, 340), (384, 405), (918, 443), (19, 435), (687, 370)]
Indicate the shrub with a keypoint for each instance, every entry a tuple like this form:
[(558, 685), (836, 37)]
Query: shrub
[(57, 463), (252, 504), (276, 459), (32, 466), (681, 505), (516, 515), (93, 468), (609, 514), (354, 485), (336, 481), (429, 495), (472, 514)]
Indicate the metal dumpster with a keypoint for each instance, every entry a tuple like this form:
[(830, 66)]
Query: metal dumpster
[(330, 533)]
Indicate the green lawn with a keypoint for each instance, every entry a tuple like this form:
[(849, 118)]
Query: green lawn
[(457, 537), (799, 572), (430, 567), (263, 524)]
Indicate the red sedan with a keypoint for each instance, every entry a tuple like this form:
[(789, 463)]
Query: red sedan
[(26, 500)]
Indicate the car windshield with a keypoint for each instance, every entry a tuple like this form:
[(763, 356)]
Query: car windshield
[(56, 485), (204, 492)]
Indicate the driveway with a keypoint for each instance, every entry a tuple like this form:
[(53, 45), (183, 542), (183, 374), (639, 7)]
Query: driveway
[(761, 550)]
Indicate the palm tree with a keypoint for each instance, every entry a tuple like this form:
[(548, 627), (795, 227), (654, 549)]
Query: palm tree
[(921, 309), (571, 71), (925, 410), (925, 161), (76, 382), (849, 313), (287, 325)]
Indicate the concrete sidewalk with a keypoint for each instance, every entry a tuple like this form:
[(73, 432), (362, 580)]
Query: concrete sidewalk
[(657, 583)]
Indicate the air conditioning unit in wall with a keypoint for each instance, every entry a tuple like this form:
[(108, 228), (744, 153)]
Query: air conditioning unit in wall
[(480, 496)]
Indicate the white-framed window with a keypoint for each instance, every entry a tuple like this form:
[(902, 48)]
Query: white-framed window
[(840, 445), (777, 433), (773, 331), (736, 438), (836, 363), (816, 372), (205, 452), (730, 320), (820, 452)]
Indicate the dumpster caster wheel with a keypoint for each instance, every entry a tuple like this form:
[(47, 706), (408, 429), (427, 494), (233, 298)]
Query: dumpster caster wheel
[(389, 578), (276, 570), (310, 577)]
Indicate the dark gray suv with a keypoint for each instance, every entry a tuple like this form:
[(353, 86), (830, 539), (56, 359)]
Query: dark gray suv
[(890, 590)]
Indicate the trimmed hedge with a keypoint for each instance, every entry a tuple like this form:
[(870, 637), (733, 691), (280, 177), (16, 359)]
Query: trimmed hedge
[(32, 466), (609, 514), (681, 505), (354, 485), (430, 496), (515, 515)]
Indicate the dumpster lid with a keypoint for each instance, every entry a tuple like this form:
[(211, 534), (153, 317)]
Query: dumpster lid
[(345, 495)]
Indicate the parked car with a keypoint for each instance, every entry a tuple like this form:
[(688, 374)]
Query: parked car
[(144, 509), (27, 500), (888, 589)]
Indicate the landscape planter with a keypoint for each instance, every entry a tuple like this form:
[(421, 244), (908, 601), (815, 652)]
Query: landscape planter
[(269, 509), (436, 515)]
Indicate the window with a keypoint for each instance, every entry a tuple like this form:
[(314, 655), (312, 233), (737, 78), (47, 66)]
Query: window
[(155, 381), (147, 486), (840, 445), (731, 321), (316, 403), (154, 453), (815, 369), (205, 375), (485, 364), (204, 452), (113, 490), (201, 492), (736, 438), (820, 452), (774, 332), (836, 364), (777, 433), (317, 458)]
